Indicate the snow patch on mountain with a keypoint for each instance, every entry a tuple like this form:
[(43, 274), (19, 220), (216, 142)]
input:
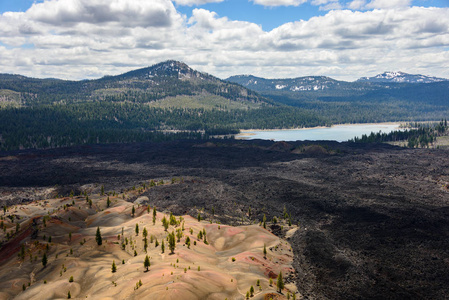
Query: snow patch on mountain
[(401, 77)]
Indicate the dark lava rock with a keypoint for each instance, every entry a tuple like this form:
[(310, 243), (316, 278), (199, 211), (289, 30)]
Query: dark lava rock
[(374, 219)]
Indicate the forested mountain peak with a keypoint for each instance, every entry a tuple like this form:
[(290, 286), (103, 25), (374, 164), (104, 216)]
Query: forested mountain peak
[(161, 81), (169, 68)]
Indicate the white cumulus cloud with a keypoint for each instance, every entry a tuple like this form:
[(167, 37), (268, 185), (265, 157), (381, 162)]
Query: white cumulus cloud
[(388, 3), (357, 4), (127, 13), (279, 2), (196, 2)]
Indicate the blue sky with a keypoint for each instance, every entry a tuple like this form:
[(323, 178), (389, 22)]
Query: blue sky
[(267, 17), (343, 39)]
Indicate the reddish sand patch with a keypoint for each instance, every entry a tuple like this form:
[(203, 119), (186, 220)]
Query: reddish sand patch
[(13, 246)]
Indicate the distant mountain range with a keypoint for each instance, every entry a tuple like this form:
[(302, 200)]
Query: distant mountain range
[(174, 78), (320, 83)]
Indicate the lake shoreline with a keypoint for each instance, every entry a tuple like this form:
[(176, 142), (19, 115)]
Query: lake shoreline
[(305, 133), (322, 127)]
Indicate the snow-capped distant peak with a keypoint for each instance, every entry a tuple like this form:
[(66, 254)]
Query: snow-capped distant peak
[(390, 75), (401, 77)]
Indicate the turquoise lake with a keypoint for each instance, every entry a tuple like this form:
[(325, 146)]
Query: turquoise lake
[(338, 133)]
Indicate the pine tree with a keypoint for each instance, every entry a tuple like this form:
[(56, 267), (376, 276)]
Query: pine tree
[(108, 202), (171, 242), (165, 223), (133, 211), (163, 246), (114, 267), (44, 260), (188, 242), (147, 263), (264, 251), (98, 238), (280, 283), (145, 232), (251, 291), (178, 235), (172, 219), (68, 295), (102, 190), (137, 229), (154, 215), (22, 252)]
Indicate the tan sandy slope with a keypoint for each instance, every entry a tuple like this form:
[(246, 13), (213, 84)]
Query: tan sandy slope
[(226, 267)]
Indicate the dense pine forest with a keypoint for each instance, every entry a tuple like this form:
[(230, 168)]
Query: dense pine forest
[(105, 122)]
